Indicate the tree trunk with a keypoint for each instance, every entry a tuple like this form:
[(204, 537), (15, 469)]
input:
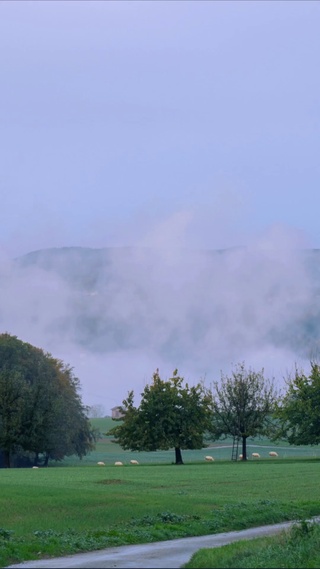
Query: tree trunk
[(6, 455), (178, 455), (36, 459), (244, 448), (46, 460)]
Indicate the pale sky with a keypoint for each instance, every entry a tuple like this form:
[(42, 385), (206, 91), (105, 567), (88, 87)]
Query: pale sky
[(172, 124), (118, 116)]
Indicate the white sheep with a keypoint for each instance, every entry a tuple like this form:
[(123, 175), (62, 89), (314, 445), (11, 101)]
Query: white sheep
[(209, 458), (100, 463), (35, 467), (255, 455), (118, 463), (134, 462), (241, 456), (273, 453)]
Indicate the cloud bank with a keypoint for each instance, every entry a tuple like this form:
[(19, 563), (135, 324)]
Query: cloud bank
[(117, 314)]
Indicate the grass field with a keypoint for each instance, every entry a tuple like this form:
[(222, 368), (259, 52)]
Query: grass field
[(54, 511), (80, 506)]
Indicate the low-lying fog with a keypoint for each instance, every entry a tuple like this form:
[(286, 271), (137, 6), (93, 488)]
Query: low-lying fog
[(117, 314)]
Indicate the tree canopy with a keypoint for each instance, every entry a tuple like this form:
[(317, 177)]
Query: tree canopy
[(41, 412), (171, 414), (299, 410), (242, 405)]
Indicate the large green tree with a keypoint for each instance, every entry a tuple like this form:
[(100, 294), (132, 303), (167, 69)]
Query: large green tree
[(41, 412), (242, 405), (298, 412), (171, 414), (13, 391)]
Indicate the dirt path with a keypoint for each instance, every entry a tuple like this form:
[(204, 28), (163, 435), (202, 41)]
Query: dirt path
[(162, 554)]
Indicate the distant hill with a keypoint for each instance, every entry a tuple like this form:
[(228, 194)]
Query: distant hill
[(83, 267)]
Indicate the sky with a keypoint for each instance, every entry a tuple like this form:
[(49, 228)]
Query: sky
[(169, 124)]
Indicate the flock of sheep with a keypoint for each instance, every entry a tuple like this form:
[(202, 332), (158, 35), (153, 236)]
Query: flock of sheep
[(272, 453), (207, 458), (117, 463)]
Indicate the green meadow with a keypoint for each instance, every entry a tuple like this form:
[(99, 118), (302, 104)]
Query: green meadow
[(77, 506), (55, 511)]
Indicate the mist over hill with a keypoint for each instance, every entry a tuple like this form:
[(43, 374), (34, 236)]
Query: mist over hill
[(116, 314)]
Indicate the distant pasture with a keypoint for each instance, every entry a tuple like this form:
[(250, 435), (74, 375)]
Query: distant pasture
[(109, 452)]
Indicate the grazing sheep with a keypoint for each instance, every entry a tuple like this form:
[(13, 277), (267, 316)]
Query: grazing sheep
[(273, 453), (209, 458), (101, 463), (35, 467), (134, 462), (118, 463), (255, 455)]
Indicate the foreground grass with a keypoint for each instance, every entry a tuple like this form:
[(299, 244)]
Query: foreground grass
[(56, 511), (298, 548)]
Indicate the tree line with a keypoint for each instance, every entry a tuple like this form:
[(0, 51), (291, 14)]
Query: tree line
[(244, 405), (42, 416)]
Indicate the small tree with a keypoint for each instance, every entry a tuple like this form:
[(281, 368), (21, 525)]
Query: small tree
[(299, 410), (96, 411), (170, 415), (242, 405)]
